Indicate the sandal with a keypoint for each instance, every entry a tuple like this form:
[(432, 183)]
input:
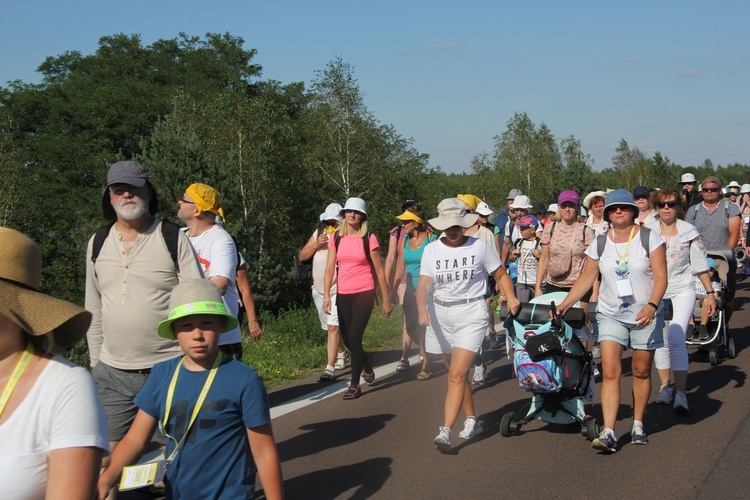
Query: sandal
[(424, 375), (328, 375), (403, 365), (353, 392)]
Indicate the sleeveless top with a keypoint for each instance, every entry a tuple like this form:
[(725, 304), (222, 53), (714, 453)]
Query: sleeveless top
[(412, 260)]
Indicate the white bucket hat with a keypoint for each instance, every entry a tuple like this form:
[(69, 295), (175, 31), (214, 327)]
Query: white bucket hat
[(484, 209), (332, 212), (552, 208), (687, 178), (452, 212), (356, 204), (745, 189), (733, 184), (522, 201)]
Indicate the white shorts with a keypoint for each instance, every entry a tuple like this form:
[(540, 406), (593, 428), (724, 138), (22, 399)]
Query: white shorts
[(461, 326), (326, 320)]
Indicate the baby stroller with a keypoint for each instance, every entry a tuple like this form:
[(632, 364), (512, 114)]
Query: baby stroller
[(552, 363), (718, 332)]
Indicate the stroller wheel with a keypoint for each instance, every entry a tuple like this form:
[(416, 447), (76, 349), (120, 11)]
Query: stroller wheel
[(712, 357), (592, 429), (505, 424), (731, 349)]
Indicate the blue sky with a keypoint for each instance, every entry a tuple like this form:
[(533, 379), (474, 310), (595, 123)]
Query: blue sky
[(668, 76)]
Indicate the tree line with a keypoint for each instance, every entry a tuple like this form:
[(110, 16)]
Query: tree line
[(194, 109)]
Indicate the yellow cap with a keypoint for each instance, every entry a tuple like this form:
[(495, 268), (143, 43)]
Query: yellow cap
[(408, 215)]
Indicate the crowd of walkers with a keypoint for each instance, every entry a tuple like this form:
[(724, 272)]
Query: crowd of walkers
[(163, 319), (624, 257)]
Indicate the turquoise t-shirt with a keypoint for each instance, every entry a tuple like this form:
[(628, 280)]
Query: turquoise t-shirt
[(412, 260)]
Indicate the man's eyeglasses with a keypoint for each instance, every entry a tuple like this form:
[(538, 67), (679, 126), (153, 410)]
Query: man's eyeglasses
[(121, 189), (183, 200), (712, 190), (662, 204), (615, 208)]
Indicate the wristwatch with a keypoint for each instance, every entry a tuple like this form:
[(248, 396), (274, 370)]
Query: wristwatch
[(653, 305)]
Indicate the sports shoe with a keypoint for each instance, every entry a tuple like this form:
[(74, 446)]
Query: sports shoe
[(478, 377), (665, 395), (691, 332), (702, 332), (638, 435), (341, 360), (472, 427), (607, 441), (494, 342), (328, 375), (680, 402), (353, 392), (369, 376), (596, 351), (403, 365), (443, 440)]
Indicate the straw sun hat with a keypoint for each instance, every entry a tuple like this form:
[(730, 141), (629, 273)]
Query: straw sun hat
[(22, 302)]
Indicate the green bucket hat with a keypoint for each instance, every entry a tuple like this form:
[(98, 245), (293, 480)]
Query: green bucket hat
[(195, 297)]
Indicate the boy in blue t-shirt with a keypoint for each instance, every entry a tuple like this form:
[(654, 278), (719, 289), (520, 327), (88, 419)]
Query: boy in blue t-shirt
[(213, 454)]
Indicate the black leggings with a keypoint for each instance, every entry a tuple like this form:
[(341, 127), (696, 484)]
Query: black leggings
[(354, 312)]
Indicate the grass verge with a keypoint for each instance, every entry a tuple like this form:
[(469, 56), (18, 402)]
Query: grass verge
[(294, 345)]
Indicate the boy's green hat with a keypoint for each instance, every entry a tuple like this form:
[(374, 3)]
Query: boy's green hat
[(194, 297)]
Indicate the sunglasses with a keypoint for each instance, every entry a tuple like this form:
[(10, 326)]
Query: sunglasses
[(615, 208), (712, 190), (662, 204), (121, 189), (183, 200)]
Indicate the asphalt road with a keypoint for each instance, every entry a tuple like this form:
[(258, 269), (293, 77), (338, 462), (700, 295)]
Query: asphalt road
[(380, 445)]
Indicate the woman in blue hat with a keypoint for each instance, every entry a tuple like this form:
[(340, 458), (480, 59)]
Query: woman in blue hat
[(632, 263)]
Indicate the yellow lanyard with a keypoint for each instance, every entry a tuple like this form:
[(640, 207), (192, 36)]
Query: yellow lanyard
[(198, 403), (21, 366), (621, 258)]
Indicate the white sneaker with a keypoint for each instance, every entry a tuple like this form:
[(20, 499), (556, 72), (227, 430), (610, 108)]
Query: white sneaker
[(478, 377), (665, 395), (443, 440), (680, 402), (472, 427)]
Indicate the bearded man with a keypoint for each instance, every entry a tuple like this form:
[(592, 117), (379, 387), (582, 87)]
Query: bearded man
[(132, 265)]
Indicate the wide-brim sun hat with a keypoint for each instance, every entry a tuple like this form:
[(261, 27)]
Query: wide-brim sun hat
[(733, 184), (619, 197), (355, 204), (132, 173), (191, 297), (332, 212), (22, 302), (522, 201), (452, 212), (513, 193), (745, 189), (591, 196)]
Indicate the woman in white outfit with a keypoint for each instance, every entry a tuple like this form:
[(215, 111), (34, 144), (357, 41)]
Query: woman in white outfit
[(686, 257), (457, 267), (53, 428)]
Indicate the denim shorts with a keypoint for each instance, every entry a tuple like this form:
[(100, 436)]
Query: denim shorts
[(627, 334)]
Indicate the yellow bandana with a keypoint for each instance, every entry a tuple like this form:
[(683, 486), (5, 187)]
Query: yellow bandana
[(206, 198), (470, 200)]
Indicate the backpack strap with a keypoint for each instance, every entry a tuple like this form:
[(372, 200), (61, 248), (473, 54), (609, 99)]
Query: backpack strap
[(645, 236), (601, 241), (99, 236), (552, 230), (171, 233)]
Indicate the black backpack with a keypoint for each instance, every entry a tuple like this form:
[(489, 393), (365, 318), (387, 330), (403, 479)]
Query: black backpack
[(169, 231)]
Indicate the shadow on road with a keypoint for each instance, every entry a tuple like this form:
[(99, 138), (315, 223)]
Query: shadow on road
[(330, 434), (366, 478)]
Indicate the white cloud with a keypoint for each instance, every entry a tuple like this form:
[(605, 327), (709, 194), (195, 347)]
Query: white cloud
[(690, 73)]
